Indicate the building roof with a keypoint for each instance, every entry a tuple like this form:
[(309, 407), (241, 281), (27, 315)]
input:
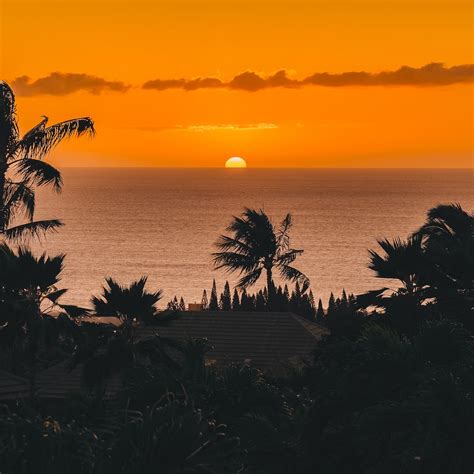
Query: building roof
[(267, 340), (12, 386), (60, 380)]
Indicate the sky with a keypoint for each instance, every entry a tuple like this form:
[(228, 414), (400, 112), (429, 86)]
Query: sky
[(284, 83)]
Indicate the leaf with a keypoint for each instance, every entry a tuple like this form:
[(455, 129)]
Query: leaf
[(40, 173), (32, 229), (39, 143)]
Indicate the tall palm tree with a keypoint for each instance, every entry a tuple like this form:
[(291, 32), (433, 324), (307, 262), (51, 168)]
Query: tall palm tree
[(130, 303), (22, 166), (257, 246)]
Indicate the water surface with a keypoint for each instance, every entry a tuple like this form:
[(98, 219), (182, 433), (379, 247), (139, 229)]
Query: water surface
[(163, 222)]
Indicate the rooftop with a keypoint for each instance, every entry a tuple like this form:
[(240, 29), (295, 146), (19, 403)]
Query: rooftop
[(266, 339)]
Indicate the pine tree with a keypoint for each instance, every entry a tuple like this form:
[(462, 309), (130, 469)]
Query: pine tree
[(320, 313), (352, 301), (331, 305), (344, 300), (260, 302), (213, 302), (204, 301), (226, 301), (235, 301), (173, 305), (182, 304)]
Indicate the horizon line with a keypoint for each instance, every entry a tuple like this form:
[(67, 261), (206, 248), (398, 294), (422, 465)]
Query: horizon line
[(270, 168)]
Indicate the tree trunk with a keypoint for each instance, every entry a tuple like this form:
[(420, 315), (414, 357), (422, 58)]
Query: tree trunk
[(270, 288), (3, 170)]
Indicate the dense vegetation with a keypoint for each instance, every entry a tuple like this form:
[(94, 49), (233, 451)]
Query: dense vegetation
[(390, 390)]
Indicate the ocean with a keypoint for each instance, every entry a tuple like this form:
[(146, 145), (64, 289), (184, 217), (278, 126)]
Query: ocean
[(163, 223)]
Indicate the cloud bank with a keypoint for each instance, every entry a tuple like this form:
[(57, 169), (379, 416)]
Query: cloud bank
[(58, 83), (433, 74)]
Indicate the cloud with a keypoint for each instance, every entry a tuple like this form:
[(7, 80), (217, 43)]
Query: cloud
[(58, 83), (433, 74), (229, 127)]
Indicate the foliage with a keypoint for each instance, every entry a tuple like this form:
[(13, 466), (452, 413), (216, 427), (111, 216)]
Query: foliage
[(131, 302), (22, 167)]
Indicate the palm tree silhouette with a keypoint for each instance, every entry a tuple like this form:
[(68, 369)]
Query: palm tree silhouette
[(22, 166), (256, 246), (448, 239), (130, 303), (401, 260)]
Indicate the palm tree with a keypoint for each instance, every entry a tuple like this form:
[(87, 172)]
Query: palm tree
[(256, 246), (448, 239), (129, 303), (22, 166), (401, 260), (29, 279)]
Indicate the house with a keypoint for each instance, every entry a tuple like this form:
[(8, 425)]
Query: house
[(267, 340)]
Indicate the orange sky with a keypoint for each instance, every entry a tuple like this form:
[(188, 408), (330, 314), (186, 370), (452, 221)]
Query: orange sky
[(132, 42)]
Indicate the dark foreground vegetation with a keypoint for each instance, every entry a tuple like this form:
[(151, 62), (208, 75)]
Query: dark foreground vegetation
[(389, 390)]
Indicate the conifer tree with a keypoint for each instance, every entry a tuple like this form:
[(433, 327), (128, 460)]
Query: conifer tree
[(260, 302), (320, 313), (235, 300), (173, 305), (213, 302), (331, 306), (344, 300), (204, 300), (226, 301)]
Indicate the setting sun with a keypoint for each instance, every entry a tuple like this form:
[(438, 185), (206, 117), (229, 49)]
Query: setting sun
[(235, 162)]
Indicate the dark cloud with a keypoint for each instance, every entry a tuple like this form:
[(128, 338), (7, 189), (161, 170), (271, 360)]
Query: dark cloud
[(58, 83), (434, 74), (186, 84)]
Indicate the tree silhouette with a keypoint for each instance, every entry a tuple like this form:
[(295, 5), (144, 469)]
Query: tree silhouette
[(226, 299), (235, 300), (130, 303), (204, 300), (22, 166), (257, 246), (213, 302)]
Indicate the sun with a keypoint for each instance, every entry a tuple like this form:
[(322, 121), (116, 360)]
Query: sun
[(235, 162)]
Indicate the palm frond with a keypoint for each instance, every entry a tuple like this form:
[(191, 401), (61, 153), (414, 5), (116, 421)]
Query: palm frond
[(226, 243), (40, 143), (40, 127), (283, 236), (250, 278), (234, 261), (292, 274), (289, 256), (39, 173), (32, 229), (18, 197)]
